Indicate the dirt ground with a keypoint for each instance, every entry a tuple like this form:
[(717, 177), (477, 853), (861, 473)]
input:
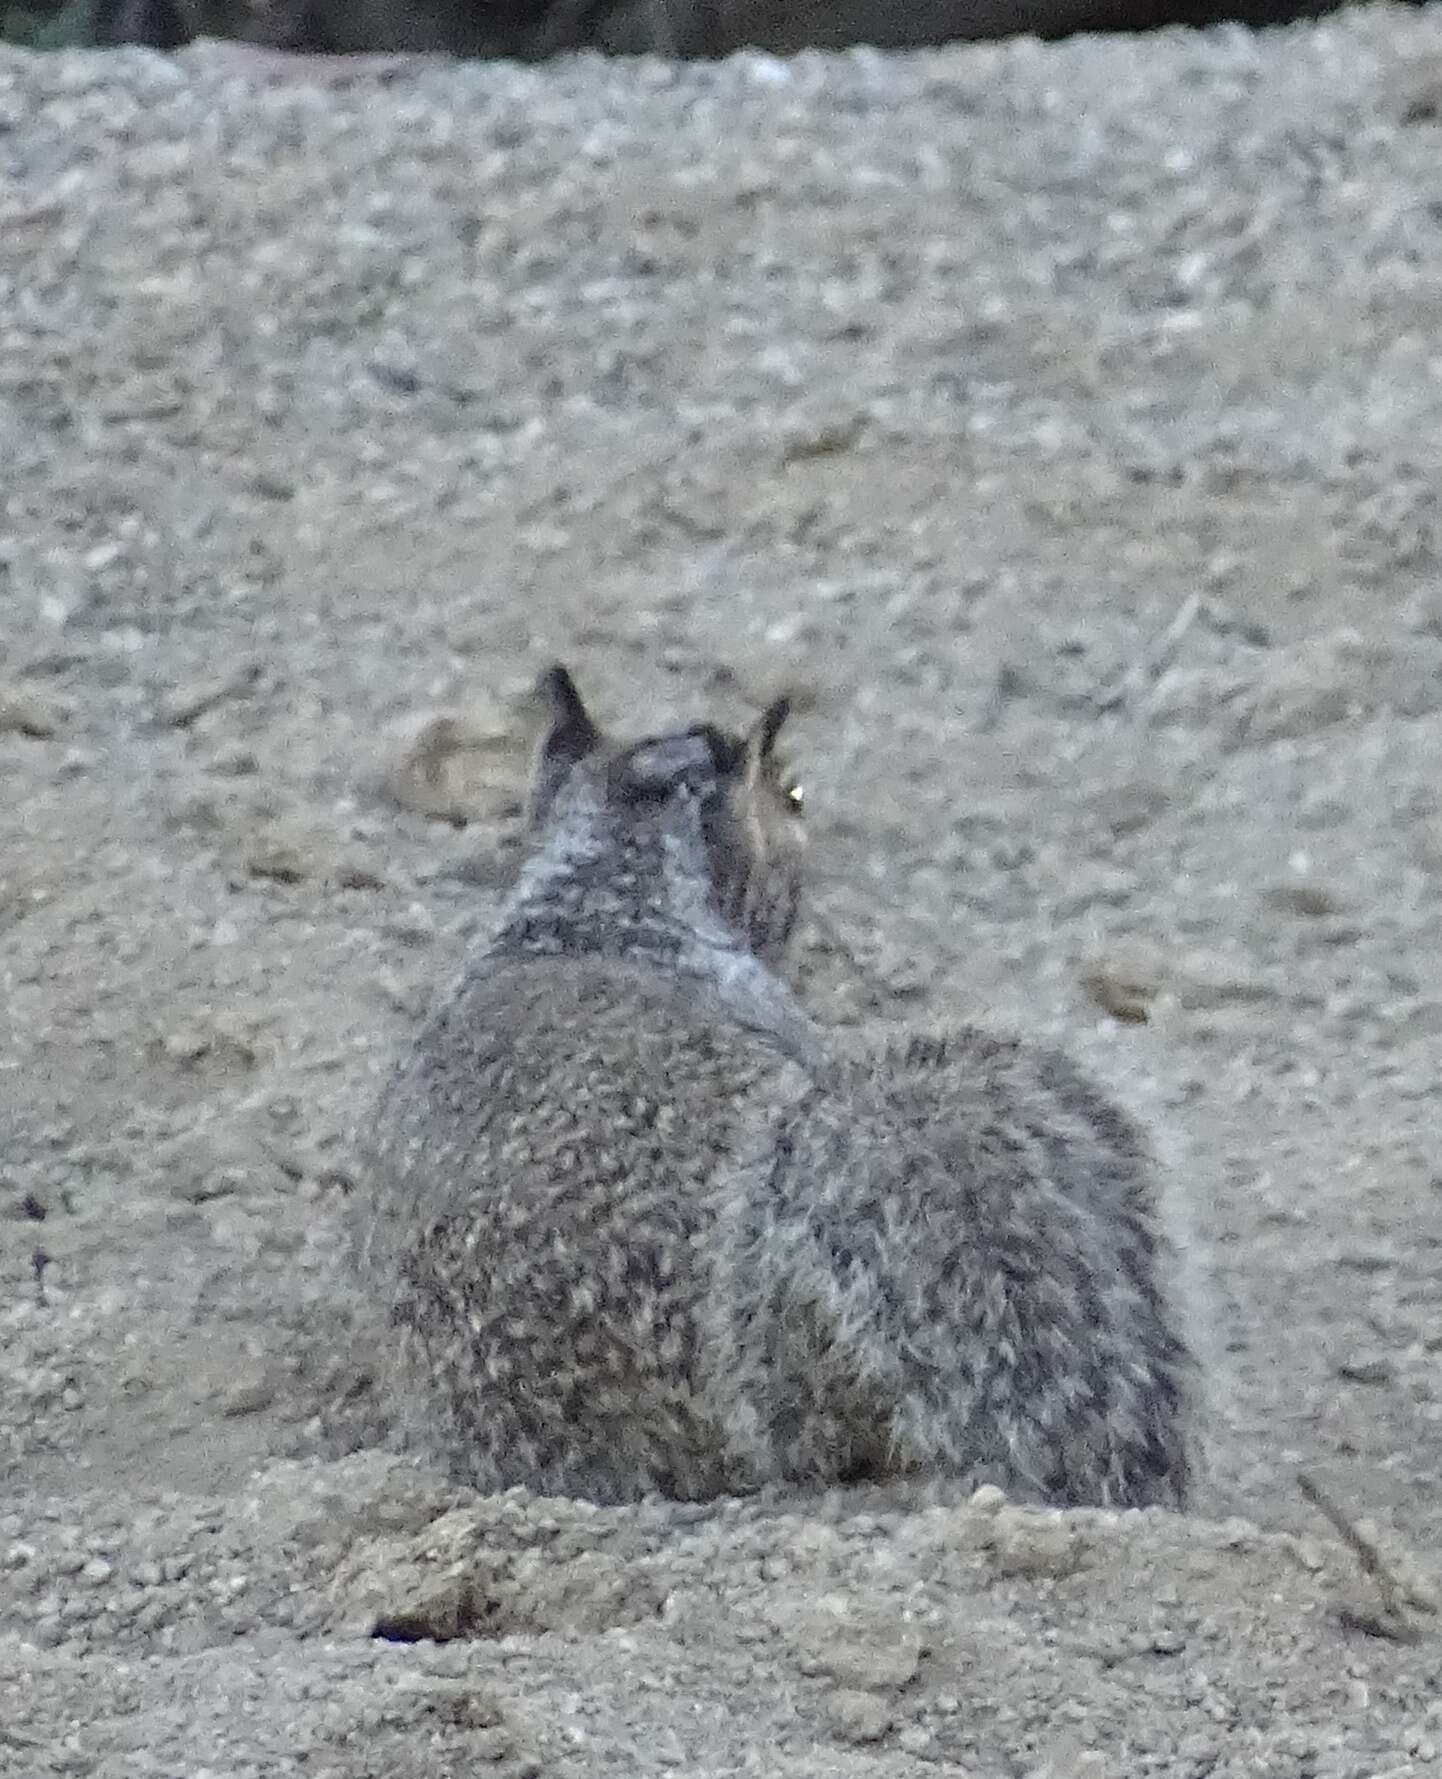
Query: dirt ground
[(1070, 422)]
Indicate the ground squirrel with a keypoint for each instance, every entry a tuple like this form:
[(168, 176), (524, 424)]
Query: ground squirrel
[(642, 1225)]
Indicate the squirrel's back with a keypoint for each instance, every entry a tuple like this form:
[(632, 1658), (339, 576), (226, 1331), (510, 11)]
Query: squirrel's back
[(552, 1153)]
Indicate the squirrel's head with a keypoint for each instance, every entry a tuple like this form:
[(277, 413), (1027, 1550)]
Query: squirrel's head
[(717, 814)]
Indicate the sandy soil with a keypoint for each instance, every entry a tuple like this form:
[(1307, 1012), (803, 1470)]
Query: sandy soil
[(1069, 420)]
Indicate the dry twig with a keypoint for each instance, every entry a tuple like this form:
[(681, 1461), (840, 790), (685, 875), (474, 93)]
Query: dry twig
[(1154, 660), (1394, 1619)]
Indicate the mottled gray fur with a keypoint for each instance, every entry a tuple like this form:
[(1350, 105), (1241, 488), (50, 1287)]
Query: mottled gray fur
[(641, 1225)]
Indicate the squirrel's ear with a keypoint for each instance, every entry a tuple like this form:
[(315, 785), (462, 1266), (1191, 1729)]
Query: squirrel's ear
[(568, 722), (761, 739), (567, 734)]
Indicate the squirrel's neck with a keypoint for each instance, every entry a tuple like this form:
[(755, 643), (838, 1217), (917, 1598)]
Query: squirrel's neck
[(647, 896), (590, 888)]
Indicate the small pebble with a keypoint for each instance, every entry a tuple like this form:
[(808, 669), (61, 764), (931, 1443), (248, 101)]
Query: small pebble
[(858, 1717)]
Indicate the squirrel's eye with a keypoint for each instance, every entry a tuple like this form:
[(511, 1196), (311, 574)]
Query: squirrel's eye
[(795, 796)]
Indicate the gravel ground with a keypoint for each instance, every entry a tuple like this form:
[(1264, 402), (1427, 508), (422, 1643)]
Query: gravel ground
[(1070, 422)]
